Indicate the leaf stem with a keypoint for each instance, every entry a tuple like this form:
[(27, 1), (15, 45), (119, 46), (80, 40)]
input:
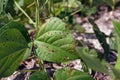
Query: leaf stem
[(30, 20)]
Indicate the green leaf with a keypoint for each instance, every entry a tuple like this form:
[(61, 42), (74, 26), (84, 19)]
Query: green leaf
[(89, 11), (91, 61), (39, 75), (10, 63), (54, 42), (11, 40), (18, 26), (13, 45), (79, 29), (71, 74), (51, 25), (102, 39), (10, 9), (117, 27), (117, 30)]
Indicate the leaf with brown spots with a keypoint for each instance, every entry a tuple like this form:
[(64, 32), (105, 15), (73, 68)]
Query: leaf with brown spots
[(55, 43)]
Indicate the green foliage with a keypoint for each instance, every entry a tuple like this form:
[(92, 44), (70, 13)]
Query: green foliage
[(27, 5), (102, 39), (79, 29), (117, 30), (68, 8), (9, 9), (3, 4), (3, 20), (54, 42), (50, 41), (71, 74), (39, 75), (12, 48), (116, 73), (91, 60), (111, 3), (18, 26)]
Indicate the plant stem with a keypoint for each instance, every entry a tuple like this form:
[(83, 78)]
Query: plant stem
[(37, 14), (44, 4), (73, 13), (40, 62), (41, 65), (49, 7), (30, 5), (30, 20)]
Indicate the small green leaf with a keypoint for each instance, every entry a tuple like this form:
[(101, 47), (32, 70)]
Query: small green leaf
[(39, 75), (70, 74), (91, 61), (54, 42)]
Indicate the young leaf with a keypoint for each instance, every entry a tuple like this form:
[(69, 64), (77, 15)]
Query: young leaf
[(39, 75), (91, 61), (54, 42), (12, 48), (70, 74)]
